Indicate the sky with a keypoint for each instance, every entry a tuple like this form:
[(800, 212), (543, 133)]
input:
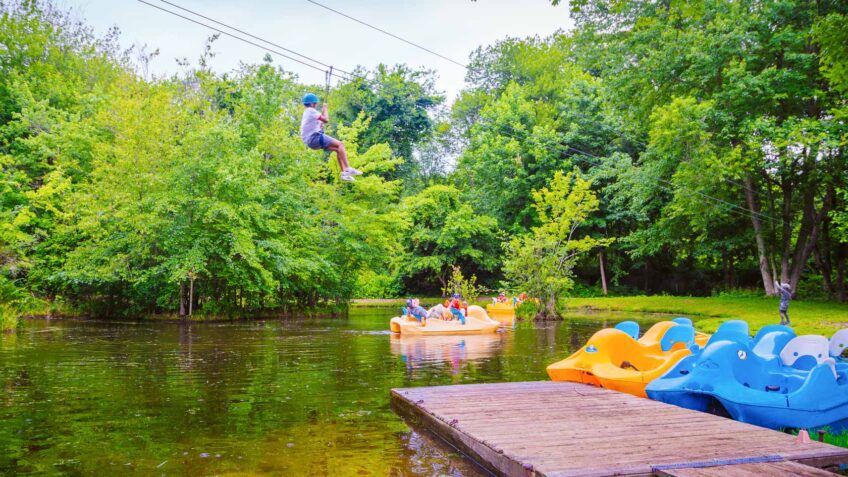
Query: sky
[(453, 28)]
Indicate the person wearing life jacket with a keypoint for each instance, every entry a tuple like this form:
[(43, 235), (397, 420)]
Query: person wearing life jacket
[(415, 310), (454, 305)]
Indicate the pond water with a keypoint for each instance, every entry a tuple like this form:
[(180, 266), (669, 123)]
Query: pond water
[(293, 397)]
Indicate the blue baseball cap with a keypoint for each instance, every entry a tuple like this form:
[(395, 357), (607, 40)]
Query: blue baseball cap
[(310, 98)]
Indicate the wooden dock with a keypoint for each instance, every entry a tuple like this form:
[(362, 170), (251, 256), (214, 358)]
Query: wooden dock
[(566, 429)]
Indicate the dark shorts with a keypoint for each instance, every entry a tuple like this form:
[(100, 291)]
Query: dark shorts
[(319, 141)]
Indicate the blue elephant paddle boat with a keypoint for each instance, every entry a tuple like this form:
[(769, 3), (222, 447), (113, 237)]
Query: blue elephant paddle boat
[(776, 380)]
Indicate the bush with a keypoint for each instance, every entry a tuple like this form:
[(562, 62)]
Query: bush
[(12, 301), (376, 285), (8, 316), (466, 287), (527, 310)]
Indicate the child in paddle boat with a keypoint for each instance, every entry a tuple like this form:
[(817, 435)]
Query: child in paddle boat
[(502, 297), (416, 311), (437, 312), (454, 305), (312, 134)]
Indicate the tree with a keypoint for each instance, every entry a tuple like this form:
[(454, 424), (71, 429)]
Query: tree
[(399, 102), (541, 261), (444, 231), (773, 114)]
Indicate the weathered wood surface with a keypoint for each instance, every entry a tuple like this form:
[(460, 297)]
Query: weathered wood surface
[(766, 469), (566, 429)]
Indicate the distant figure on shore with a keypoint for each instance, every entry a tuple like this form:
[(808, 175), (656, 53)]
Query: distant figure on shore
[(785, 295)]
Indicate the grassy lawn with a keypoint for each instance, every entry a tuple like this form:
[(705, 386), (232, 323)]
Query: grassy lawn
[(808, 317)]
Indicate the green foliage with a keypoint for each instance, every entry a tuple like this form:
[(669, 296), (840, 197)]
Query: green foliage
[(541, 262), (527, 310), (465, 286), (445, 231), (8, 317), (399, 102), (12, 303), (370, 284), (131, 196), (714, 135), (830, 33)]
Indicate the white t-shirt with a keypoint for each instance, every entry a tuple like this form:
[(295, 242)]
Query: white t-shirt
[(310, 124)]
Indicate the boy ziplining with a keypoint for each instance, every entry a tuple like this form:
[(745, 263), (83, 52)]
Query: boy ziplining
[(312, 134)]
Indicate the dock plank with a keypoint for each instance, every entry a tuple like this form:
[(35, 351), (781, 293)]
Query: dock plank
[(765, 469), (555, 429)]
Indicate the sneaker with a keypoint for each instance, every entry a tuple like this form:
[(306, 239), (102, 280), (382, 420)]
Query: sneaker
[(353, 172), (345, 176)]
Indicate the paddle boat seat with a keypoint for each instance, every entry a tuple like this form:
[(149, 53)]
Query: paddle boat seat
[(838, 343), (733, 330), (768, 342), (806, 352), (678, 334), (629, 327), (776, 380), (682, 320)]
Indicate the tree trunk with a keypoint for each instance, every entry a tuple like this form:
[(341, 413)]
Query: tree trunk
[(191, 297), (840, 274), (768, 281), (603, 274), (827, 258), (824, 269), (182, 299), (808, 235), (444, 282)]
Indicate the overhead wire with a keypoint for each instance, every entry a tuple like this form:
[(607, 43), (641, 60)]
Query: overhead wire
[(707, 196), (416, 45), (253, 36), (329, 73), (304, 63)]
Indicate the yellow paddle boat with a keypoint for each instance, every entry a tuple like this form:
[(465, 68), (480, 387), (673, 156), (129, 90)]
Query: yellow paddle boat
[(501, 311), (617, 358), (477, 322)]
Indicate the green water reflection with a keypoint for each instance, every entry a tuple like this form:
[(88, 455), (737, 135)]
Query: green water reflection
[(303, 397)]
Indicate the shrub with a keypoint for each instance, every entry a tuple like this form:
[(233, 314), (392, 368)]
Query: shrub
[(370, 284), (8, 316), (467, 287)]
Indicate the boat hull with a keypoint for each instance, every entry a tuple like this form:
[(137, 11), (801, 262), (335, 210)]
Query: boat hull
[(477, 322), (502, 312)]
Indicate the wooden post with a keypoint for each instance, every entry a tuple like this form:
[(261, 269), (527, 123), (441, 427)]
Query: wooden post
[(603, 274)]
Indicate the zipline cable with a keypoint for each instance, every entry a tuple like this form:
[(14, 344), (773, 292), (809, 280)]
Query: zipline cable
[(416, 45), (254, 36), (329, 74), (759, 214), (238, 38)]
